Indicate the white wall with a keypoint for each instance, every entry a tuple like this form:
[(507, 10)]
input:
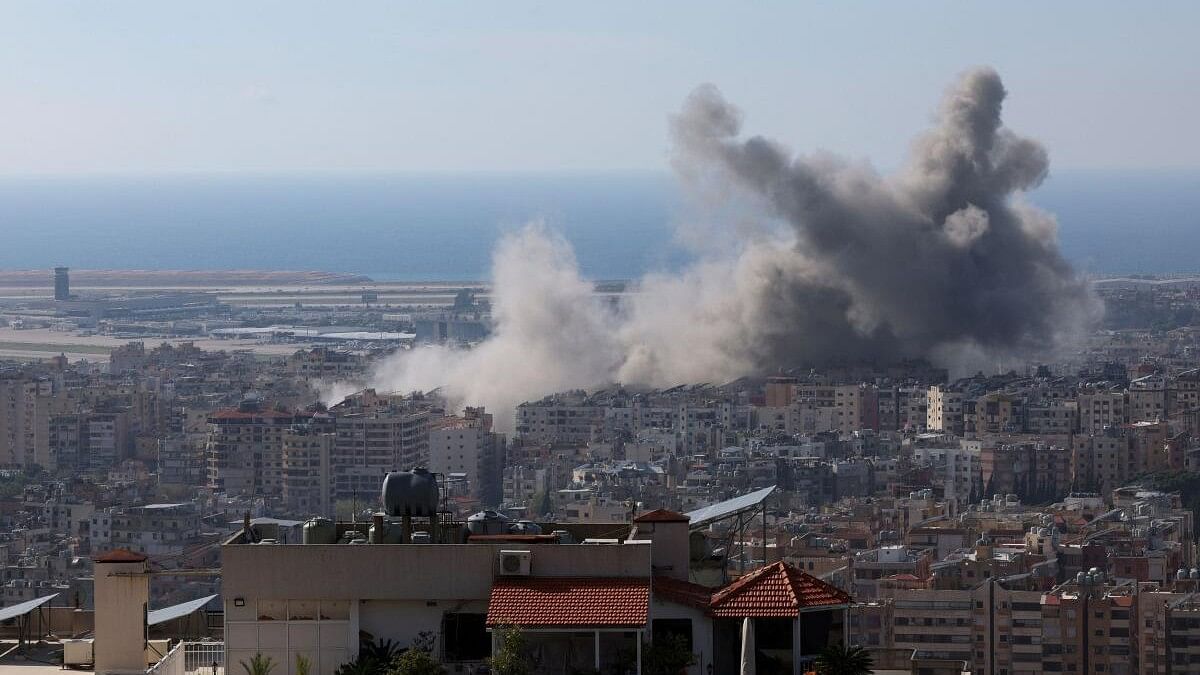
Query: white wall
[(702, 632)]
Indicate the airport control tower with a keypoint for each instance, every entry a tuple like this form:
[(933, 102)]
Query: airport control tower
[(62, 283)]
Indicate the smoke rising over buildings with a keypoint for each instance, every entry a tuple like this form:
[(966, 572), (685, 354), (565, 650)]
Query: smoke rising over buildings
[(939, 260)]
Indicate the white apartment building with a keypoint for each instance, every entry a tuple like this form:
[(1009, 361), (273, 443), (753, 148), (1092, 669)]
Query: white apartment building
[(467, 445), (945, 410)]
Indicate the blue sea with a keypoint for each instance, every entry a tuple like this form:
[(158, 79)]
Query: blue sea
[(442, 227)]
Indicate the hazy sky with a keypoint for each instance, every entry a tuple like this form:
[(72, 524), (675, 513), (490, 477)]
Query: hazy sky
[(150, 86)]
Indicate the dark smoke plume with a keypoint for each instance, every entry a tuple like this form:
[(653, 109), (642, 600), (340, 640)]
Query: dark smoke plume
[(935, 258), (941, 260)]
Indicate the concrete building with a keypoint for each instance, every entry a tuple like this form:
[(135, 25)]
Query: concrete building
[(554, 421), (24, 420), (308, 449), (153, 529), (1148, 399), (580, 606), (370, 443), (62, 283), (466, 444), (944, 410), (959, 469), (1101, 409), (245, 449)]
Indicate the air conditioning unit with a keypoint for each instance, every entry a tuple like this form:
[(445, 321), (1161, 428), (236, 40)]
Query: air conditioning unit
[(515, 563), (77, 652)]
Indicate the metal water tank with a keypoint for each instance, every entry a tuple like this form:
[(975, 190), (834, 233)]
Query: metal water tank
[(319, 531), (487, 522), (525, 527), (410, 493)]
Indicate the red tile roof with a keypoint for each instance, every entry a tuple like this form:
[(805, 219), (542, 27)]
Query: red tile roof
[(682, 592), (661, 516), (777, 590), (119, 555), (569, 601)]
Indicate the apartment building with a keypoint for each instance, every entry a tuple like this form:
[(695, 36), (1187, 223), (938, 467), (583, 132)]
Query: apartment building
[(368, 444), (24, 420), (1034, 471), (933, 625), (1052, 417), (323, 363), (153, 529), (1089, 628), (181, 462), (1101, 409), (1104, 462), (552, 421), (467, 445), (245, 449), (945, 410), (958, 469), (1148, 398), (997, 413), (307, 454)]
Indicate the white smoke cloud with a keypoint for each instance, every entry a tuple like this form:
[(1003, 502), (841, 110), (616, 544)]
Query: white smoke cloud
[(551, 334)]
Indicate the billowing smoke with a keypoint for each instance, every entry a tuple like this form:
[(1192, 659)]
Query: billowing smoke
[(938, 260), (551, 334), (936, 257)]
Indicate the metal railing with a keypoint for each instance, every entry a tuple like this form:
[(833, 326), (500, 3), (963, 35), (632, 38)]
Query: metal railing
[(192, 658), (204, 658)]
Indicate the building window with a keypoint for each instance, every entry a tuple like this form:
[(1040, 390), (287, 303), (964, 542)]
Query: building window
[(665, 627), (465, 637)]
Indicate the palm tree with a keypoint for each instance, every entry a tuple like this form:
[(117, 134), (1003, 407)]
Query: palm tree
[(843, 660), (259, 665)]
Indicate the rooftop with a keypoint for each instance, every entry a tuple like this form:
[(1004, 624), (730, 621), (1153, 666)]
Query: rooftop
[(569, 601), (777, 590), (119, 555), (661, 516)]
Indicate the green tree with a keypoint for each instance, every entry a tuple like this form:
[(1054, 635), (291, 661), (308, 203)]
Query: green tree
[(843, 660), (416, 662), (374, 658), (303, 665), (510, 658), (668, 654), (259, 665)]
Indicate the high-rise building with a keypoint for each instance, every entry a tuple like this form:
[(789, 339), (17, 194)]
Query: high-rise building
[(62, 283), (307, 483)]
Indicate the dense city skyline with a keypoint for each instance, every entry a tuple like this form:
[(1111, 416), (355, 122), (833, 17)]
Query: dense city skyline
[(374, 339)]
